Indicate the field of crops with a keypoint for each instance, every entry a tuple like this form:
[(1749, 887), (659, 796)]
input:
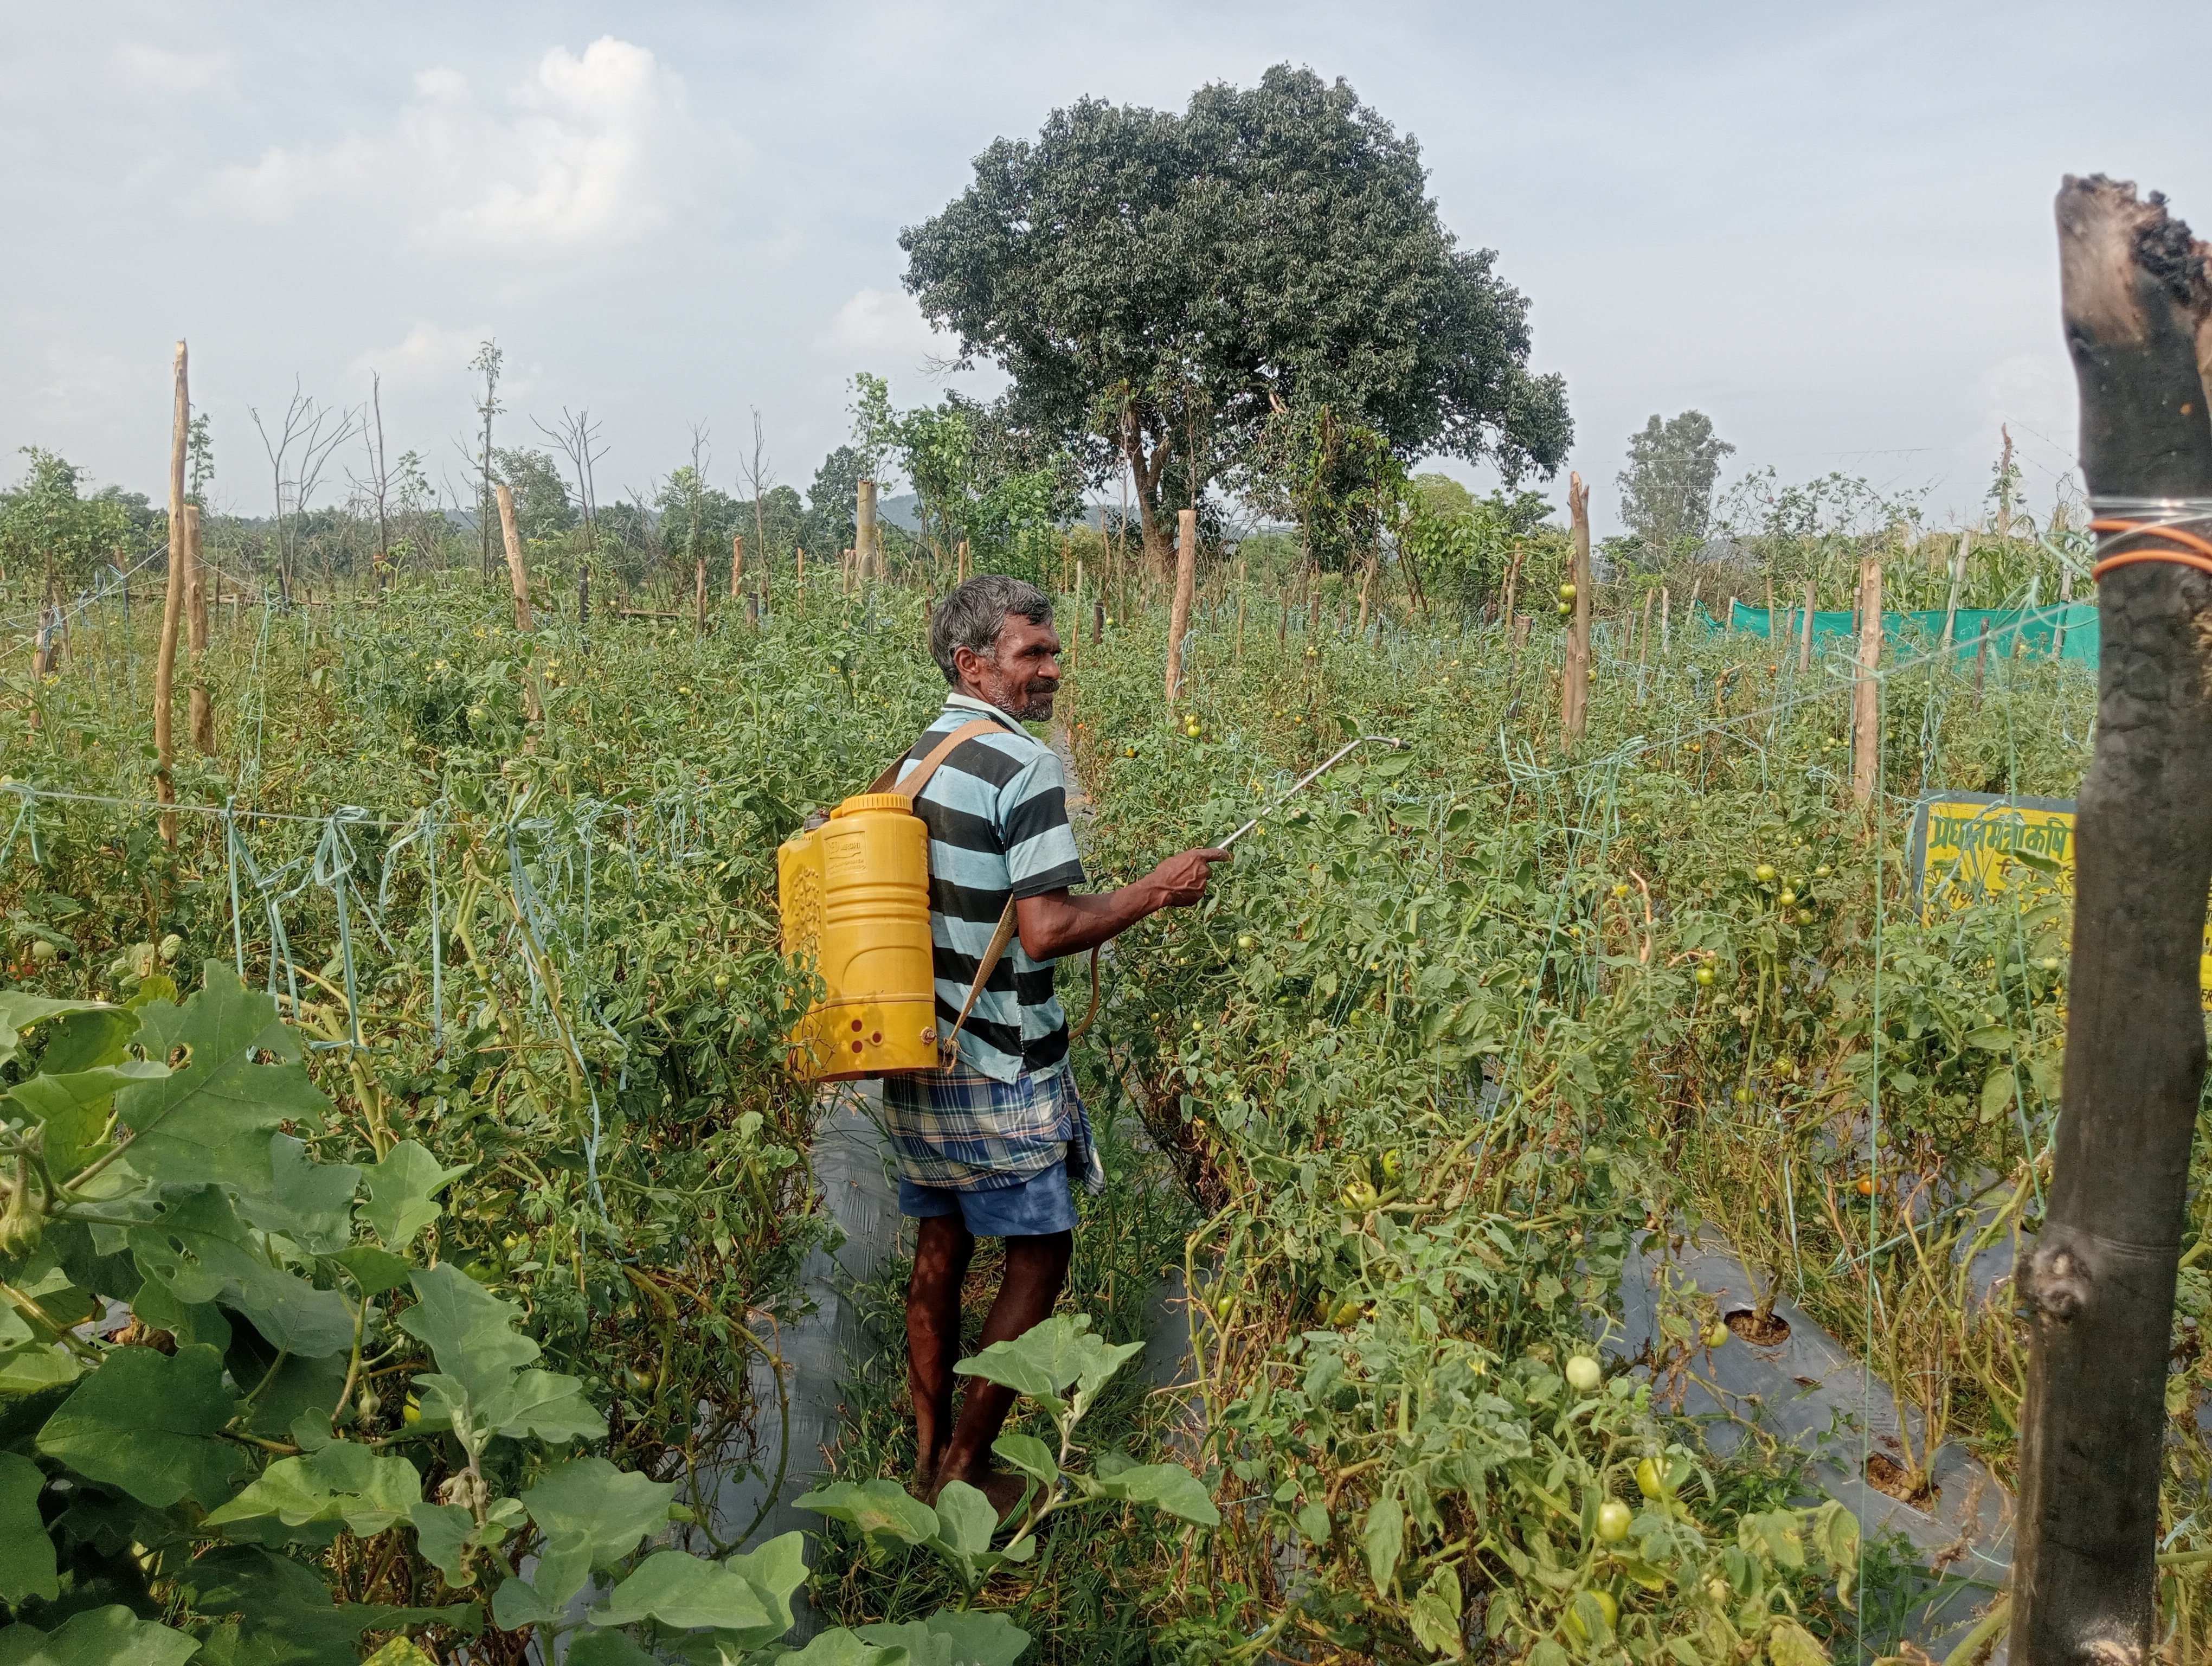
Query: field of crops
[(421, 1269)]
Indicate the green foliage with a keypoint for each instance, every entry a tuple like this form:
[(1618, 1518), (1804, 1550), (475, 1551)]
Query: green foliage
[(1667, 489), (1158, 285), (47, 526)]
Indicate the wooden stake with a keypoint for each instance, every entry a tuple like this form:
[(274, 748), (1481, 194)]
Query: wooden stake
[(960, 562), (1097, 621), (196, 620), (1574, 687), (1643, 633), (1179, 614), (172, 605), (737, 562), (864, 537), (1666, 623), (1075, 637), (2096, 1282), (1805, 637), (515, 574), (1866, 693), (1770, 605), (699, 595), (1243, 570), (1981, 663), (1366, 579)]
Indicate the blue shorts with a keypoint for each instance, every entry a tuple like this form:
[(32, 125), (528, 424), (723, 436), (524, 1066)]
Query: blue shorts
[(1043, 1203)]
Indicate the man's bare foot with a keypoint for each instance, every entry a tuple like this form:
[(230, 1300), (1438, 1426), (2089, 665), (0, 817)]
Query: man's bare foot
[(922, 1484), (1004, 1489)]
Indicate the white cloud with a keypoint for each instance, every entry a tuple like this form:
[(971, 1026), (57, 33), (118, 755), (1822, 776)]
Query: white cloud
[(2034, 395), (591, 151), (884, 321), (156, 70), (426, 353), (80, 385)]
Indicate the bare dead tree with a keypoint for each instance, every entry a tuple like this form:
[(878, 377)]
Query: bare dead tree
[(375, 489), (487, 363), (299, 453), (578, 439), (759, 475)]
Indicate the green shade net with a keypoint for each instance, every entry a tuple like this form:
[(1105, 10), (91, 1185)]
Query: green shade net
[(2070, 628)]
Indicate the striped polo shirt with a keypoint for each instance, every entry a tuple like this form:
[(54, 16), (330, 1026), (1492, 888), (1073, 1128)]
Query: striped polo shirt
[(997, 814)]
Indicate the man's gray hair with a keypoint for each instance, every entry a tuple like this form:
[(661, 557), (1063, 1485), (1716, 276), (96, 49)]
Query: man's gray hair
[(973, 615)]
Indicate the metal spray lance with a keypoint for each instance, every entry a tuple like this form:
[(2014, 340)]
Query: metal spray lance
[(1315, 775)]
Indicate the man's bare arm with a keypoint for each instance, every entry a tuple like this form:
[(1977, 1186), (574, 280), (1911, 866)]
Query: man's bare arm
[(1061, 923)]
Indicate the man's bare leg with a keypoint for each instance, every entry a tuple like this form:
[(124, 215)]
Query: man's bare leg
[(1037, 1267), (942, 1250)]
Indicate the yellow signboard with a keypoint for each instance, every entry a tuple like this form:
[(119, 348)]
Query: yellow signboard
[(1967, 847)]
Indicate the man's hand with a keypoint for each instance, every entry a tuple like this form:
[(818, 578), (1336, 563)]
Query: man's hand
[(1181, 880), (1058, 923)]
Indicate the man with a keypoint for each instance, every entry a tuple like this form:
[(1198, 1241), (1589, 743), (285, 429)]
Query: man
[(988, 1148)]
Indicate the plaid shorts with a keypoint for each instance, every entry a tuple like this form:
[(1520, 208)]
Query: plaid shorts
[(967, 1132)]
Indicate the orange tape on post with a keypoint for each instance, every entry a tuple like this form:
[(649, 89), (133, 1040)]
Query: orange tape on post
[(2185, 548)]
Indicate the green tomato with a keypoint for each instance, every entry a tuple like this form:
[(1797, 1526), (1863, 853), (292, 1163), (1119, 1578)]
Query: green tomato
[(1584, 1374), (1764, 873), (1566, 592), (1613, 1519), (1705, 977), (1246, 942), (1606, 1607), (1650, 1480)]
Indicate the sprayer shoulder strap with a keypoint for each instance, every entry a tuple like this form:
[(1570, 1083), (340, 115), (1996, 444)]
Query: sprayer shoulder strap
[(889, 782)]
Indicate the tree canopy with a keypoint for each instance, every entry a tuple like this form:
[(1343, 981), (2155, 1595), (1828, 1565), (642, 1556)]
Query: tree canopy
[(1161, 286), (1667, 489)]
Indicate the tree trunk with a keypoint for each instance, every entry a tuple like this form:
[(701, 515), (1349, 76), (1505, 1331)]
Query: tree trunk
[(196, 620), (173, 607), (1866, 692), (1574, 686), (737, 562), (2099, 1286), (516, 576), (1179, 614)]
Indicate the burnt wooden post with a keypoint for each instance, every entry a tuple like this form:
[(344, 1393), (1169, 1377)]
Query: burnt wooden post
[(2098, 1288)]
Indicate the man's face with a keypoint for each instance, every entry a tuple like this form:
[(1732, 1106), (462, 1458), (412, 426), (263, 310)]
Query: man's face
[(1021, 675)]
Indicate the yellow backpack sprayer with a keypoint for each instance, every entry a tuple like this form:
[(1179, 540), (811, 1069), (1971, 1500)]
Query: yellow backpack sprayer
[(853, 892)]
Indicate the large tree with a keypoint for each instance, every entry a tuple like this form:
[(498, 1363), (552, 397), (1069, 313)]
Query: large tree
[(1667, 489), (1159, 285)]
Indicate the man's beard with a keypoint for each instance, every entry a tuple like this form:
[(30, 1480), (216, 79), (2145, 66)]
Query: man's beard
[(1037, 707)]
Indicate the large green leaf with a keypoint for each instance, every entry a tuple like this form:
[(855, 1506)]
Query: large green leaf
[(592, 1648), (1046, 1359), (612, 1509), (543, 1403), (82, 1041), (309, 1202), (775, 1571), (403, 1190), (470, 1331), (285, 1614), (592, 1514), (1383, 1537), (20, 1010), (950, 1638), (113, 1636), (885, 1513), (685, 1593), (843, 1648), (1030, 1457), (211, 1118), (344, 1482), (74, 1108), (1435, 1615), (27, 1553), (1169, 1486), (146, 1422), (199, 1248)]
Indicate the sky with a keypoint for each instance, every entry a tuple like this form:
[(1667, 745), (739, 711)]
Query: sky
[(1829, 229)]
